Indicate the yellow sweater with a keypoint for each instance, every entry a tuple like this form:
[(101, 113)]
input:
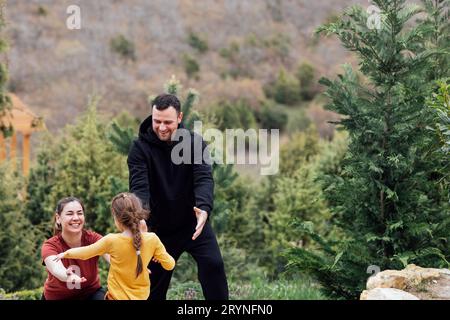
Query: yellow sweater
[(122, 281)]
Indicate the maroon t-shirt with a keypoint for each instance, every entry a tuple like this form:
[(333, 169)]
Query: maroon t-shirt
[(55, 289)]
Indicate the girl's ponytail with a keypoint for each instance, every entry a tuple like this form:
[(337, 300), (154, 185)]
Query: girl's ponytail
[(137, 238), (127, 209)]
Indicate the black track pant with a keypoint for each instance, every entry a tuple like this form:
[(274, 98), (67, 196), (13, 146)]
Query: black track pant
[(206, 253)]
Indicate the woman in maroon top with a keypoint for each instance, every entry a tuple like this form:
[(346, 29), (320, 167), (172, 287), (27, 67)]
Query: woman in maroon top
[(69, 278)]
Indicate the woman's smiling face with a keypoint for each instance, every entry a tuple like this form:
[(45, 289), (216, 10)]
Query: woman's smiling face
[(71, 217)]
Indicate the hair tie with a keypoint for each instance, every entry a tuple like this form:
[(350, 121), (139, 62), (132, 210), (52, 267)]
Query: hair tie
[(138, 252)]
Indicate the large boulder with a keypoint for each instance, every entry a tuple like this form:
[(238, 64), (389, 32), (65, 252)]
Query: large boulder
[(387, 294), (422, 283)]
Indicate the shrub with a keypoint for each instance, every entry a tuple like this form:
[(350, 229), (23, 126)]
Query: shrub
[(272, 116), (285, 89), (234, 55), (279, 44), (124, 47), (234, 115), (231, 51), (306, 76), (297, 121), (275, 10), (42, 11), (20, 266), (440, 104), (35, 294), (196, 42), (191, 66), (301, 148)]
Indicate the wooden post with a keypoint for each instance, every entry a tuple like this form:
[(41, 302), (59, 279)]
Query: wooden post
[(13, 151), (26, 154), (2, 148)]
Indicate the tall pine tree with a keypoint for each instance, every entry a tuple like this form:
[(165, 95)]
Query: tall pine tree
[(387, 199)]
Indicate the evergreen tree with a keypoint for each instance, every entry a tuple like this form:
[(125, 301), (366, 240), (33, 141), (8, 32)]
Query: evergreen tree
[(285, 89), (224, 205), (293, 194), (297, 196), (20, 242), (234, 115), (440, 103), (436, 27), (38, 207), (386, 200), (306, 78), (120, 137), (272, 116), (122, 131), (302, 147), (82, 163), (173, 86)]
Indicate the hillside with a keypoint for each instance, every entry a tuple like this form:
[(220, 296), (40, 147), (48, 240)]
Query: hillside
[(54, 69)]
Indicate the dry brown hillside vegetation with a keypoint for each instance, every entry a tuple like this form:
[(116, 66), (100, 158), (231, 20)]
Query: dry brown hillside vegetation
[(125, 50)]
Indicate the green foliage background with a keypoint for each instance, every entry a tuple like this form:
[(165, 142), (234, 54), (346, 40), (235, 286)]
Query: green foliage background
[(377, 193), (388, 201)]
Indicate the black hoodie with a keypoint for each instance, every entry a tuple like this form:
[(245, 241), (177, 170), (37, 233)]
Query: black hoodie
[(169, 190)]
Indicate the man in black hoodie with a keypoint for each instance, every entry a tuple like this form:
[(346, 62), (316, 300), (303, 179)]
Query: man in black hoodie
[(179, 196)]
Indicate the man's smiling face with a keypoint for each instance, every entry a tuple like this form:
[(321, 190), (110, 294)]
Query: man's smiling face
[(165, 122)]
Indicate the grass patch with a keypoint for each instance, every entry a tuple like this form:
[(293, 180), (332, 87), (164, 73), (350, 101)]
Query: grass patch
[(257, 289), (34, 294)]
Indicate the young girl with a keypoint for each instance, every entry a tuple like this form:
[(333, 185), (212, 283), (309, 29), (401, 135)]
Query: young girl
[(129, 251)]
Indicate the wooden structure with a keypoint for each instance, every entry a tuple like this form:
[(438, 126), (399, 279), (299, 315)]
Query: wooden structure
[(24, 122)]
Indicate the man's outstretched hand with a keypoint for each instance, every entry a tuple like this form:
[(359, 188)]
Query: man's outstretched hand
[(202, 216)]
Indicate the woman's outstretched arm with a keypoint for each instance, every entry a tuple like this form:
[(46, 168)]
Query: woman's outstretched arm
[(57, 269)]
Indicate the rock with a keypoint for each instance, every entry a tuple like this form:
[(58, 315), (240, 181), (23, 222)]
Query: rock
[(387, 294), (387, 279), (424, 283)]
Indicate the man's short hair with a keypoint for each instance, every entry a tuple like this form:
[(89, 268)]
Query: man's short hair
[(164, 101)]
